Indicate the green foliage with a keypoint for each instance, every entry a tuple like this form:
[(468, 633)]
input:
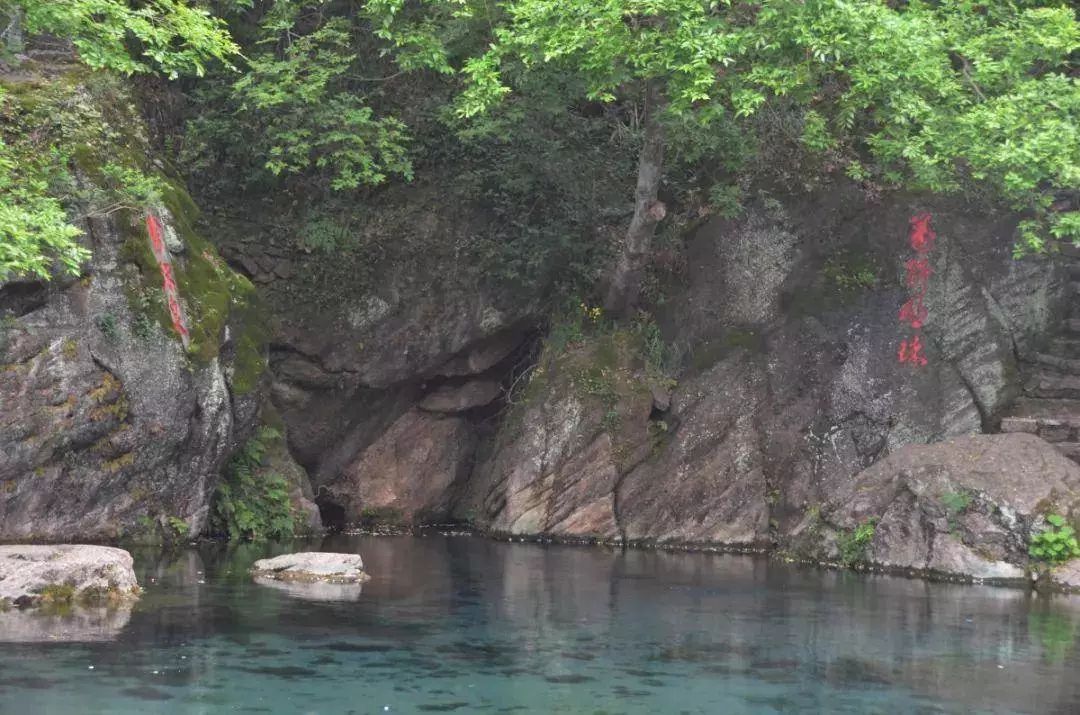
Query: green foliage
[(300, 106), (45, 131), (941, 96), (848, 273), (327, 234), (172, 37), (659, 356), (1056, 544), (49, 132), (727, 200), (177, 526), (854, 543), (34, 226), (956, 502), (106, 323), (252, 502)]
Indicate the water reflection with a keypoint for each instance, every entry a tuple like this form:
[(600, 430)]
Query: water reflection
[(314, 591), (69, 624), (470, 625)]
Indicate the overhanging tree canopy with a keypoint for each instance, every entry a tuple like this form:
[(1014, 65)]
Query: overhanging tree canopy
[(925, 95)]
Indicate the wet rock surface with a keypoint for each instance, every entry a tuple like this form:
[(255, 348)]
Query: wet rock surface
[(31, 574)]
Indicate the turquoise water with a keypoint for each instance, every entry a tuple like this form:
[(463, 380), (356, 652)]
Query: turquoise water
[(467, 625)]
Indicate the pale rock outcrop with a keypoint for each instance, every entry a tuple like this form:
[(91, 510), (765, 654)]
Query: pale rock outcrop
[(67, 572), (312, 567)]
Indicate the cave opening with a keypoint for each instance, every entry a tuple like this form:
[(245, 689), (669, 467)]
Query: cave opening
[(332, 514)]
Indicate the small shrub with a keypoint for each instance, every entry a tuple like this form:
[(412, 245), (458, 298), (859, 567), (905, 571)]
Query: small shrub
[(853, 544), (611, 420), (1056, 544), (143, 327), (850, 274), (106, 323), (660, 358), (178, 526), (956, 503), (727, 200)]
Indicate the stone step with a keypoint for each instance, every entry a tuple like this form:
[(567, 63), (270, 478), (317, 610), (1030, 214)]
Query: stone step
[(1049, 383), (1053, 420), (1072, 325), (1073, 269), (1063, 364)]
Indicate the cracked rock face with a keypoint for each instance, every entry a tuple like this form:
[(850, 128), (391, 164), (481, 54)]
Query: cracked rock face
[(964, 507), (790, 384)]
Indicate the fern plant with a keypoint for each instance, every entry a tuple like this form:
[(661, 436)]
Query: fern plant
[(252, 502)]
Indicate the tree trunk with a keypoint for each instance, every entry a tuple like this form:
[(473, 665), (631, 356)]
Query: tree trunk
[(12, 35), (624, 287)]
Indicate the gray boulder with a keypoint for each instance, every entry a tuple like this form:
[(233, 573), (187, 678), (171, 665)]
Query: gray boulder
[(312, 567), (30, 575)]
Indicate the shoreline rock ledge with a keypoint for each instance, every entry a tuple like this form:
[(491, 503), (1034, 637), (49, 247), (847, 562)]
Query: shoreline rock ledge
[(34, 574), (312, 567)]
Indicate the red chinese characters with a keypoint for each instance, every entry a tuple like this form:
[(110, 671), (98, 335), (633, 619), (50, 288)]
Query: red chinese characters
[(172, 295), (911, 351), (914, 312), (917, 278)]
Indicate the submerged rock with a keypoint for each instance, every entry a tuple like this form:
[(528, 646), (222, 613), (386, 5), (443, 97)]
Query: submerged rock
[(64, 573), (312, 567), (963, 508)]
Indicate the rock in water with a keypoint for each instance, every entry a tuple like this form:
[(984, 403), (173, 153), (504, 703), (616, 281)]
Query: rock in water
[(65, 572), (312, 567)]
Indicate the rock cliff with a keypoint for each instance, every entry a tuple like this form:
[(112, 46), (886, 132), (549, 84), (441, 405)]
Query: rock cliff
[(789, 382), (118, 409)]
